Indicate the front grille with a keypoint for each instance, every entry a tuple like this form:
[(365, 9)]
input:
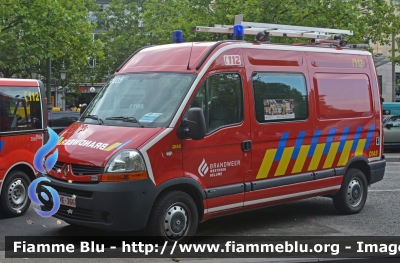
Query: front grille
[(77, 213), (57, 166), (78, 169)]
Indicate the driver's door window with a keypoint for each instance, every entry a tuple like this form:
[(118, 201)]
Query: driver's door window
[(221, 98)]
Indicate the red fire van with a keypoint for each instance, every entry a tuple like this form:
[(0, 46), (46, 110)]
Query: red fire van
[(190, 131), (22, 127)]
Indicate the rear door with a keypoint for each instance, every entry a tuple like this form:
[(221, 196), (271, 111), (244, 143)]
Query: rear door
[(220, 160)]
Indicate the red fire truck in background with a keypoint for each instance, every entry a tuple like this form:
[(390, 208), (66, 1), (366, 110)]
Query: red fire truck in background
[(22, 129)]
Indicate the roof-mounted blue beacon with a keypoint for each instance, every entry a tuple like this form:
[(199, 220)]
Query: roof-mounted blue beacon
[(238, 32), (178, 36)]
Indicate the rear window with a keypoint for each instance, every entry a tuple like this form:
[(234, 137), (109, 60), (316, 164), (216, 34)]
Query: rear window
[(342, 95)]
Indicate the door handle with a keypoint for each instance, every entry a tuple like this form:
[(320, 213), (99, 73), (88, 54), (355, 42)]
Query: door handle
[(246, 146)]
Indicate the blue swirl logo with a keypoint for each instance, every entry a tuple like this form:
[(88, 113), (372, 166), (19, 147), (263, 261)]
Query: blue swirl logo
[(43, 165)]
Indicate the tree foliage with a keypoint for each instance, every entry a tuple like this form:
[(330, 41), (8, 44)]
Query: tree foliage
[(121, 32), (32, 30), (373, 20)]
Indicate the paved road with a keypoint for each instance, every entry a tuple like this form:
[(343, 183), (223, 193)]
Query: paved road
[(314, 216)]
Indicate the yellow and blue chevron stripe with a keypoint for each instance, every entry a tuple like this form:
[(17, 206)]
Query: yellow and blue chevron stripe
[(338, 150)]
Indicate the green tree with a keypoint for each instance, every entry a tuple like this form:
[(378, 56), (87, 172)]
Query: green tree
[(31, 31), (373, 20), (122, 32), (130, 24)]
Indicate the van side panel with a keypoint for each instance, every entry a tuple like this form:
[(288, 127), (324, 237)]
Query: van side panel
[(286, 145), (289, 149), (345, 109)]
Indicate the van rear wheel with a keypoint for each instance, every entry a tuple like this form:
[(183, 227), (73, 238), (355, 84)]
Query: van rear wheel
[(353, 192), (174, 217), (14, 200)]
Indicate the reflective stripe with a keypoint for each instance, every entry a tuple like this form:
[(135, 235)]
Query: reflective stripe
[(329, 140), (283, 164), (299, 142), (331, 155), (374, 159), (224, 207), (356, 138), (360, 147), (314, 143), (369, 137), (343, 139), (281, 146), (345, 153), (270, 199), (316, 157), (276, 198), (266, 164), (298, 166)]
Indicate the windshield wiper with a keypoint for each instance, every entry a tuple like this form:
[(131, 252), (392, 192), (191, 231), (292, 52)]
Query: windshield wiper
[(93, 117), (125, 119)]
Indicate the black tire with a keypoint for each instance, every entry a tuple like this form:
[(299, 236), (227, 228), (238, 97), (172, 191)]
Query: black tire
[(353, 192), (14, 199), (174, 217)]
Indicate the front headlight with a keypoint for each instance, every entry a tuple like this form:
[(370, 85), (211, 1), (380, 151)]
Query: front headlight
[(124, 166)]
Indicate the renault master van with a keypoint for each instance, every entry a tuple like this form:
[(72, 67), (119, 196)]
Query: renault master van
[(186, 132)]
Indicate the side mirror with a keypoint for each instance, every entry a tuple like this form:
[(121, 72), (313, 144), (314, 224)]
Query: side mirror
[(194, 126)]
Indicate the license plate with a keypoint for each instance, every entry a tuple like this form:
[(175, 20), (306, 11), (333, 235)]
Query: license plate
[(68, 201)]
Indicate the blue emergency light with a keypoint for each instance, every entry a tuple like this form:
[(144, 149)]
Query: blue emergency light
[(178, 36), (238, 32)]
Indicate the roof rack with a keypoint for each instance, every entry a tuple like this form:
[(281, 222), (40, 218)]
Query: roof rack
[(276, 30)]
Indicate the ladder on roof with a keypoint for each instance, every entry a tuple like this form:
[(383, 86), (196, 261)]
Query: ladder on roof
[(276, 30)]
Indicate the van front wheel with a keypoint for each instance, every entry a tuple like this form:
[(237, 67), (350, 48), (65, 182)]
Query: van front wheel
[(174, 217), (353, 192), (14, 200)]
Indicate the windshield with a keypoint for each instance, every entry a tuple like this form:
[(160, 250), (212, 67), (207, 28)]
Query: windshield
[(139, 100)]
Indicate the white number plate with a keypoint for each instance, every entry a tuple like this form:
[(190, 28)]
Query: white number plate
[(232, 60), (68, 201)]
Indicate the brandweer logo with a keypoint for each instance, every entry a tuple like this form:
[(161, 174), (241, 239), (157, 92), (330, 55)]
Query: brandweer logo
[(43, 165)]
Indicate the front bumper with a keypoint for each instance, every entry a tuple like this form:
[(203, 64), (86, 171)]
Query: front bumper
[(119, 206)]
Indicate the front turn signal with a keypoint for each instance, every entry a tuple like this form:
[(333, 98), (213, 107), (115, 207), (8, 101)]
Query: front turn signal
[(122, 177)]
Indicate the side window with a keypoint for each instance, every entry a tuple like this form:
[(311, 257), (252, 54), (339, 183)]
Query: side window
[(279, 96), (335, 100), (20, 109), (221, 99)]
